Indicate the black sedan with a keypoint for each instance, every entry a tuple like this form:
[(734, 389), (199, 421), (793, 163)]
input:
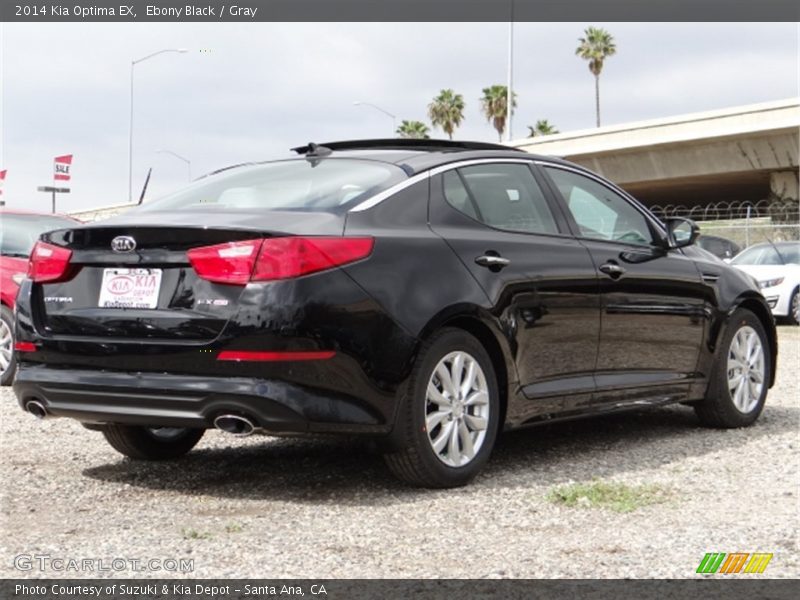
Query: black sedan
[(720, 247), (428, 294)]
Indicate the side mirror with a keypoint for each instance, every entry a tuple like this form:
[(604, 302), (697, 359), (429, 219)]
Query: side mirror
[(681, 232)]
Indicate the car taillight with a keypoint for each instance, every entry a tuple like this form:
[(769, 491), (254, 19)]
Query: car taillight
[(283, 258), (225, 263), (276, 258), (48, 263)]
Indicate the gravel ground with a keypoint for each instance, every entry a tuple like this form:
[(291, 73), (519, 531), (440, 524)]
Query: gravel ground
[(267, 507)]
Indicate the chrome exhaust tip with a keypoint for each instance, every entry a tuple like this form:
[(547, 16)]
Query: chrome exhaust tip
[(236, 425), (36, 408)]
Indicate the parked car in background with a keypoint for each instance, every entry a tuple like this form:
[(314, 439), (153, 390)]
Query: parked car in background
[(776, 266), (426, 294), (18, 233), (720, 247)]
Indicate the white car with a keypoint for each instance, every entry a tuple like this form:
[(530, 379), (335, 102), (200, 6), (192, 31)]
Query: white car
[(777, 269)]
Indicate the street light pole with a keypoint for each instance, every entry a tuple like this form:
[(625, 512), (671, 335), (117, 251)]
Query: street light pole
[(130, 126), (179, 157), (510, 88), (378, 108)]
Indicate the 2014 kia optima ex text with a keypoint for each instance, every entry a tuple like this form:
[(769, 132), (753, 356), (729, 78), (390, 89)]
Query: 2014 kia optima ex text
[(425, 293)]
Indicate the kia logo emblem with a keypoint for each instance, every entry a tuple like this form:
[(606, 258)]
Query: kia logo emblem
[(123, 243)]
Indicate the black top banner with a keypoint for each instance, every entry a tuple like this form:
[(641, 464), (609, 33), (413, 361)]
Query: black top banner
[(33, 11)]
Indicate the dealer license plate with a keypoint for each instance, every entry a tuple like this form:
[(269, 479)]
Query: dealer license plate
[(130, 288)]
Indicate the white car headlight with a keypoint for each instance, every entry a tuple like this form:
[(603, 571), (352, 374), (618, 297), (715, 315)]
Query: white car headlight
[(768, 283)]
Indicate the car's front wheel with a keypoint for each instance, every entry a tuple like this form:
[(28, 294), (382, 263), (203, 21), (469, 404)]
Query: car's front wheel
[(449, 417), (794, 308), (151, 443), (740, 379)]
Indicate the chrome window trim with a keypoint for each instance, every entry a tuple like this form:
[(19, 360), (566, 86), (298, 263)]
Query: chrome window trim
[(398, 187), (388, 192)]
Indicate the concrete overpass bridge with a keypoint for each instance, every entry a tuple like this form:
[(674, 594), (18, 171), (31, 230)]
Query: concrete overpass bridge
[(747, 155), (742, 155)]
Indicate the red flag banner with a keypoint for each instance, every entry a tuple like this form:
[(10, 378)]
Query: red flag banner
[(2, 180), (62, 167)]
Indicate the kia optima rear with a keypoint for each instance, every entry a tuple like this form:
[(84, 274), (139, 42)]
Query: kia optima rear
[(424, 293)]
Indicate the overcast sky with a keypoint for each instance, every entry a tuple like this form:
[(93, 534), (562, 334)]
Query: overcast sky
[(251, 91)]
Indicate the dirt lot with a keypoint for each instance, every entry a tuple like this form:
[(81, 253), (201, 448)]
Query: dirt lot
[(641, 495)]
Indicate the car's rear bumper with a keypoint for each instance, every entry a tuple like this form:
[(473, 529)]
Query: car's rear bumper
[(167, 400)]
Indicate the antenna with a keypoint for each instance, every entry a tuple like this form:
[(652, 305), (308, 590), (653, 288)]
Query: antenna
[(144, 187)]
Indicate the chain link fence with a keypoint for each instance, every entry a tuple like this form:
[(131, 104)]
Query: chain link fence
[(745, 223)]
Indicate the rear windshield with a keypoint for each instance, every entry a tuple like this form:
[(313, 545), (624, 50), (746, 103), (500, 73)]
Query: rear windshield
[(329, 184), (18, 233), (717, 246)]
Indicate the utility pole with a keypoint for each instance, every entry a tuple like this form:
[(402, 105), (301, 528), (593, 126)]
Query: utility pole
[(510, 88)]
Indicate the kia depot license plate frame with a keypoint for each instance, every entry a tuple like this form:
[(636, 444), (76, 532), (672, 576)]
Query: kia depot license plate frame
[(130, 288)]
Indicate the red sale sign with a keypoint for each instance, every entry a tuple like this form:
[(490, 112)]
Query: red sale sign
[(2, 180), (61, 167)]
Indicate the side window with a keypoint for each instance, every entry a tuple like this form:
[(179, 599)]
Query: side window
[(457, 195), (769, 257), (599, 212), (504, 196)]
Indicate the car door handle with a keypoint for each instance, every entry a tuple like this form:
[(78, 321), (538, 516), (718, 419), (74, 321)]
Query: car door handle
[(487, 260), (611, 269)]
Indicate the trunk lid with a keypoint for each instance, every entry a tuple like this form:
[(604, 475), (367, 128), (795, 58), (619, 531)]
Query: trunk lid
[(151, 292)]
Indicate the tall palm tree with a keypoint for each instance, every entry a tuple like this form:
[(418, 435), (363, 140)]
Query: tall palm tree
[(447, 111), (494, 105), (413, 129), (542, 127), (596, 47)]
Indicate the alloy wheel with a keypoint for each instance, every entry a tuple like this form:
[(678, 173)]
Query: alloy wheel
[(794, 309), (746, 369), (457, 409), (6, 346)]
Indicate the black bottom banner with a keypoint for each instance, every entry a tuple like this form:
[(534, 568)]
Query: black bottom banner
[(450, 589)]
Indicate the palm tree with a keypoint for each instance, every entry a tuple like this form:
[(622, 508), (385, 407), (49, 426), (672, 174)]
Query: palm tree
[(494, 105), (447, 111), (413, 129), (596, 47), (542, 127)]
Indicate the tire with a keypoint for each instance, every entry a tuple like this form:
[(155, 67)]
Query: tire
[(8, 361), (422, 421), (794, 308), (145, 443), (724, 406)]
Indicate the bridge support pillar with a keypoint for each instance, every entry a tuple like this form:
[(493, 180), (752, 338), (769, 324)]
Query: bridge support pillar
[(784, 184)]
